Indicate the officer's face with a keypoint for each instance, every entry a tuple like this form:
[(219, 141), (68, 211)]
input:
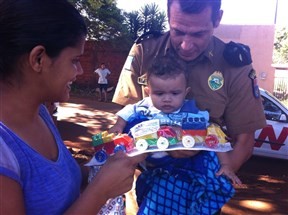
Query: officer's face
[(190, 33), (167, 94)]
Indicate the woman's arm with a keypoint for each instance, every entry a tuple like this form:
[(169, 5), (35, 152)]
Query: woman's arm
[(114, 179)]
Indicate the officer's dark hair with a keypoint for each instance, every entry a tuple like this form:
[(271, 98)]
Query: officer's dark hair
[(167, 67), (24, 24), (197, 6)]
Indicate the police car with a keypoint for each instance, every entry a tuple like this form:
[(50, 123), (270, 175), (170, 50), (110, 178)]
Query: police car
[(272, 141)]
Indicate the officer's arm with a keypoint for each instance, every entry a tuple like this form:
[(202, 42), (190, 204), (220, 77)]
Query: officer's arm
[(238, 55), (128, 91), (242, 150)]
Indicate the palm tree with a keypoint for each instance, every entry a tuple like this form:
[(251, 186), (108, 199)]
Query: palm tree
[(148, 18)]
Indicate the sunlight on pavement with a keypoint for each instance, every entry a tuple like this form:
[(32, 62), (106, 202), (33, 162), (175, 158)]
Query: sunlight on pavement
[(256, 205), (269, 179), (90, 118), (84, 138)]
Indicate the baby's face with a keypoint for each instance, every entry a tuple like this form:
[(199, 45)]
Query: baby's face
[(167, 94)]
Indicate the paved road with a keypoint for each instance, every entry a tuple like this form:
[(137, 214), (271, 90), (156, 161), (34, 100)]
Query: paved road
[(266, 180)]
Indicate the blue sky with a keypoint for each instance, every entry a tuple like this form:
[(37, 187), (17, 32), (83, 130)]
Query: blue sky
[(242, 12)]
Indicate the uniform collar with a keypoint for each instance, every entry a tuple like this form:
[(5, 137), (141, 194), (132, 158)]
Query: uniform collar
[(209, 51)]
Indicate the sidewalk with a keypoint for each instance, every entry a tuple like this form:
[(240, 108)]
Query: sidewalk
[(266, 180), (80, 118)]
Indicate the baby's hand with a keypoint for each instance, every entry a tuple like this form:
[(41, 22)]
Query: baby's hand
[(115, 129), (226, 170)]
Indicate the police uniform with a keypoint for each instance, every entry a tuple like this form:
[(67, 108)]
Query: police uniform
[(224, 86)]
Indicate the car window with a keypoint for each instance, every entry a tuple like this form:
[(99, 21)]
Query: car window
[(272, 111)]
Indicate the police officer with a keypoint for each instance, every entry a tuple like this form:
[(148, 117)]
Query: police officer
[(222, 79)]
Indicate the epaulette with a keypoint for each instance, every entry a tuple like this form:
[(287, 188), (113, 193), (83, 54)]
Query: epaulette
[(148, 35), (142, 80), (237, 54)]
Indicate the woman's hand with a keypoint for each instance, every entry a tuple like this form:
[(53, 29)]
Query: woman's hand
[(117, 174)]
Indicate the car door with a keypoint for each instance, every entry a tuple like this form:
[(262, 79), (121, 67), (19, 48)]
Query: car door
[(272, 141)]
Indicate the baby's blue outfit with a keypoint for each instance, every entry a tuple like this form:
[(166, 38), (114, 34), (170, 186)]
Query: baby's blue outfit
[(177, 186), (49, 187)]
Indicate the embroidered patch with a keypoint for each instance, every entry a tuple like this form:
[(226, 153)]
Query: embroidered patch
[(128, 62), (216, 81), (255, 88)]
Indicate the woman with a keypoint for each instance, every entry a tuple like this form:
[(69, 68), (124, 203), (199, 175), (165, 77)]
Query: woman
[(40, 46)]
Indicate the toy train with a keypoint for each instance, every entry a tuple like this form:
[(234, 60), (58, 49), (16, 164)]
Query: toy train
[(149, 135)]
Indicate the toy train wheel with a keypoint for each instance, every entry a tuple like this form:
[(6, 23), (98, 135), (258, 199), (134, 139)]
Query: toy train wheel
[(162, 143), (188, 141), (142, 145), (119, 148), (101, 156)]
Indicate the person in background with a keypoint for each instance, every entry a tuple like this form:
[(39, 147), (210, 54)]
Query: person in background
[(102, 72), (40, 47), (167, 86)]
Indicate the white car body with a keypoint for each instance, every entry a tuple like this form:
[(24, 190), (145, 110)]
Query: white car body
[(272, 141)]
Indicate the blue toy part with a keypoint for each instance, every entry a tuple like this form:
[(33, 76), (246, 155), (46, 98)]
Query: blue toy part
[(101, 156), (119, 148), (195, 121)]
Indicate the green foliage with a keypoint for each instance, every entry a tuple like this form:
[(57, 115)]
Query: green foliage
[(280, 55), (107, 22), (148, 18), (103, 18)]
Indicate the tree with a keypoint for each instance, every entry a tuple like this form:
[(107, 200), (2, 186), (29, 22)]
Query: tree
[(103, 18), (107, 22), (280, 54), (133, 23), (148, 18)]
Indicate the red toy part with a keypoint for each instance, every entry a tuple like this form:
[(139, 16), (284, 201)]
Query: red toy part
[(108, 147), (167, 132), (124, 140), (211, 141), (201, 133)]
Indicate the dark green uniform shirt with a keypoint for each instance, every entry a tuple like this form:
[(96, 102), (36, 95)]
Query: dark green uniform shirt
[(224, 90)]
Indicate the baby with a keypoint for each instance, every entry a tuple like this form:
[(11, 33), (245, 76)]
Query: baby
[(167, 88)]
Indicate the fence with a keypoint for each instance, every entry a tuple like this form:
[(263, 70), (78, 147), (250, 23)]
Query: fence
[(281, 85)]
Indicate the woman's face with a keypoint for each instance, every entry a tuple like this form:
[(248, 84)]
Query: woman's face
[(62, 72)]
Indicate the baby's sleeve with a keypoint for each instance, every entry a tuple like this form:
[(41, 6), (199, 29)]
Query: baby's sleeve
[(126, 112)]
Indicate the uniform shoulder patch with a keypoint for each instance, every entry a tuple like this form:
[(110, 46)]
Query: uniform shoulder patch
[(237, 54), (255, 88), (148, 35)]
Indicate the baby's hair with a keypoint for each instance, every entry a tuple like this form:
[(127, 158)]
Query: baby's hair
[(167, 67)]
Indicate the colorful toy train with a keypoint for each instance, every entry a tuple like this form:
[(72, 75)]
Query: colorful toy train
[(149, 135), (106, 144)]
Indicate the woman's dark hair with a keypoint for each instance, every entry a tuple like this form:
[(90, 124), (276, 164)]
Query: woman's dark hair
[(24, 24), (197, 6)]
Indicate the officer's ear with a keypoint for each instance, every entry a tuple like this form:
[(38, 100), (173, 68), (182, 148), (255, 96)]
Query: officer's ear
[(218, 19), (147, 90)]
